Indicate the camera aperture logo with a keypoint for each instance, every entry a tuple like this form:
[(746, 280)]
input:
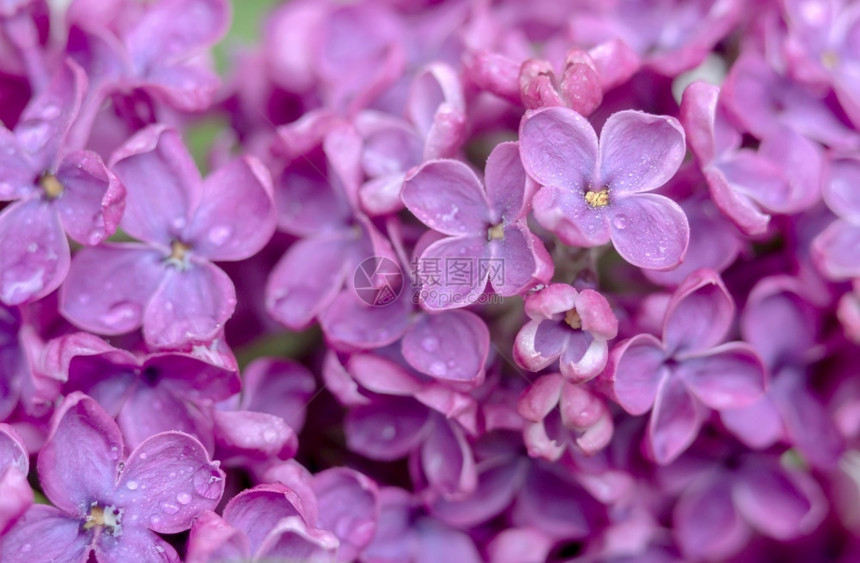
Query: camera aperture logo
[(378, 281)]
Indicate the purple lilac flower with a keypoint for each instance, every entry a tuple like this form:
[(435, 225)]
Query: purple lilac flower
[(593, 193), (782, 176), (107, 503), (836, 250), (569, 326), (719, 509), (54, 191), (16, 496), (167, 284), (147, 395), (485, 228), (562, 415), (689, 370)]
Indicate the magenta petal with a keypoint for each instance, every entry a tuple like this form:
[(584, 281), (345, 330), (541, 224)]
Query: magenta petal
[(292, 540), (34, 255), (150, 410), (566, 213), (80, 460), (444, 284), (558, 148), (280, 387), (639, 152), (183, 86), (675, 420), (109, 286), (16, 169), (706, 522), (727, 376), (387, 429), (93, 200), (167, 481), (506, 183), (189, 306), (213, 539), (447, 460), (306, 280), (650, 231), (351, 322), (171, 29), (638, 370), (553, 502), (836, 250), (498, 483), (448, 197), (256, 511), (254, 435), (699, 314), (781, 504), (54, 535), (348, 506), (524, 260), (136, 544), (840, 193), (450, 345), (735, 204), (236, 215), (758, 425), (162, 184)]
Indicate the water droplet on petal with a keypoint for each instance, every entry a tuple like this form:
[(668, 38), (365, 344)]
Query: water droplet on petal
[(388, 432), (132, 485), (220, 235), (121, 312), (183, 498), (205, 486), (438, 368), (430, 344), (620, 222), (169, 508), (50, 111)]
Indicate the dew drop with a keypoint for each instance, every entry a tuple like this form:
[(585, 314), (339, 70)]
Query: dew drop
[(438, 368), (388, 432), (132, 485), (183, 498), (121, 312), (50, 111), (169, 508), (219, 235), (620, 222), (26, 548), (430, 344)]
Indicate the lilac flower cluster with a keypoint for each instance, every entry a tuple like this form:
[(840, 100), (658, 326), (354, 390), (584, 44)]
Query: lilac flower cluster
[(418, 281)]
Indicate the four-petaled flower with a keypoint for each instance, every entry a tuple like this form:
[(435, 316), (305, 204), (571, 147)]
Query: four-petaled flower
[(593, 193)]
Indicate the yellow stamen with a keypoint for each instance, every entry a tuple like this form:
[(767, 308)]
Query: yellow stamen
[(496, 232), (829, 59), (53, 188), (95, 518), (597, 199), (178, 250), (573, 319)]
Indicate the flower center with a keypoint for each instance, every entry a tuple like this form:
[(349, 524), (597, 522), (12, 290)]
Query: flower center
[(53, 188), (108, 517), (496, 232), (597, 198), (829, 59), (573, 319)]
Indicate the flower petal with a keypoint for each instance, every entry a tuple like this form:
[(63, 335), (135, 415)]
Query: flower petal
[(453, 272), (109, 286), (727, 376), (167, 481), (47, 533), (699, 314), (349, 507), (558, 148), (451, 345), (675, 420), (256, 511), (135, 544), (650, 231), (249, 435), (162, 184), (522, 260), (706, 523), (236, 215), (836, 250), (292, 540), (80, 461), (34, 254), (640, 152), (506, 180), (93, 200), (447, 196), (189, 306), (388, 429), (637, 372), (566, 213)]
